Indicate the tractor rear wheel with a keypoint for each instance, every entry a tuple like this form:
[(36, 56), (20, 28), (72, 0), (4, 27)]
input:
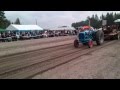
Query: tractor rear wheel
[(76, 43), (99, 37)]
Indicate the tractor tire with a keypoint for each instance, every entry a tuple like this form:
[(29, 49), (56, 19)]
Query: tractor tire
[(99, 37), (76, 43), (90, 44)]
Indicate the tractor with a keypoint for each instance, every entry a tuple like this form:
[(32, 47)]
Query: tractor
[(87, 35)]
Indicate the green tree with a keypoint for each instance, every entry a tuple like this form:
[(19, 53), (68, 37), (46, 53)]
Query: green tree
[(3, 21), (96, 17), (17, 21), (102, 17), (96, 22)]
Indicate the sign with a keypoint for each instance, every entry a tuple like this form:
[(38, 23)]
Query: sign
[(104, 22)]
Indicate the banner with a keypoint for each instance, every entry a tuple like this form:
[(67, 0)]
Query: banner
[(104, 22)]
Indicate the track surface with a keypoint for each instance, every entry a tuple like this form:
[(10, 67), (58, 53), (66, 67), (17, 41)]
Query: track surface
[(9, 48), (27, 65)]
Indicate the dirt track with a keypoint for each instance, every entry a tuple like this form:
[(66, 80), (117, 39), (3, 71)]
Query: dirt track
[(35, 44), (63, 61)]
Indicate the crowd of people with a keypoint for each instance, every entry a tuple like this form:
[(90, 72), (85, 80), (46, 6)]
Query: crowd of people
[(22, 35), (111, 29)]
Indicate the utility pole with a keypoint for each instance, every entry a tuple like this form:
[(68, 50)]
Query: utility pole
[(89, 21), (36, 21)]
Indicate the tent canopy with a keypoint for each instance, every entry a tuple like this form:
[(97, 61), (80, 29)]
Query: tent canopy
[(63, 28), (117, 21), (23, 27)]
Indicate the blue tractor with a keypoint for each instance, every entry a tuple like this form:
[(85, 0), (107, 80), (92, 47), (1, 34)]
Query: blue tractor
[(87, 35)]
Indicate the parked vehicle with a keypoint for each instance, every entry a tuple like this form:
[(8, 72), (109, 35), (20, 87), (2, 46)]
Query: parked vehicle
[(111, 32)]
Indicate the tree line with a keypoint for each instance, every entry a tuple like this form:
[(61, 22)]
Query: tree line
[(4, 22), (96, 21)]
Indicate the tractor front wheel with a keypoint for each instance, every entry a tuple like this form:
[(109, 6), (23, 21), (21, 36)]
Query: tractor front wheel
[(76, 43), (90, 44)]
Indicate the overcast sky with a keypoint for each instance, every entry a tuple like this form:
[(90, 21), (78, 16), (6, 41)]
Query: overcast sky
[(51, 19)]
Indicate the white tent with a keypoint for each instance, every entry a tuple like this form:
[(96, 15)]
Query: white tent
[(63, 28), (118, 20), (23, 27)]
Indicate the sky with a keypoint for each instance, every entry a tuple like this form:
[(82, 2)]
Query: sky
[(51, 19)]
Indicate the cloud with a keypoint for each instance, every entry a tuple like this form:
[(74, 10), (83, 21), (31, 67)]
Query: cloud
[(50, 19)]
